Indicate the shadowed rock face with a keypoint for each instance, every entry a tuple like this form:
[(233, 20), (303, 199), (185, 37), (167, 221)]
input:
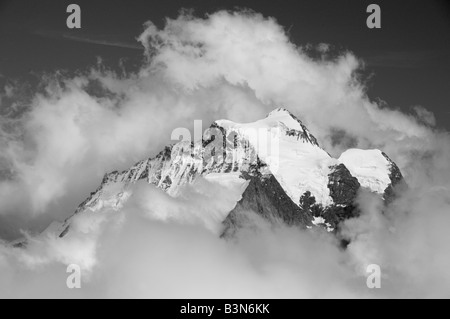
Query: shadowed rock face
[(343, 189), (265, 196), (343, 186), (396, 181)]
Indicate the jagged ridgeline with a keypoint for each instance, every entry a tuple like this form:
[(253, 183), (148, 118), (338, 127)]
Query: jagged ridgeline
[(289, 178)]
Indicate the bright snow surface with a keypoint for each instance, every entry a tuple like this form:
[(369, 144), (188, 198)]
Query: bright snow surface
[(296, 163), (370, 167)]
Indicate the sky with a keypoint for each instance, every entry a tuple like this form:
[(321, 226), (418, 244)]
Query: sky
[(407, 60), (78, 104)]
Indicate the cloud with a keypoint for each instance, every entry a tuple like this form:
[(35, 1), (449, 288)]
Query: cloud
[(249, 50), (408, 240), (424, 116), (234, 65), (177, 257)]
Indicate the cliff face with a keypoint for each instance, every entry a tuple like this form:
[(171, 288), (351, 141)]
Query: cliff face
[(396, 177), (265, 197)]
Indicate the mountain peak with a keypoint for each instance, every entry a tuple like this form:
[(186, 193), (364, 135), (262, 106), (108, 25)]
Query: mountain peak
[(299, 175), (281, 113), (278, 111)]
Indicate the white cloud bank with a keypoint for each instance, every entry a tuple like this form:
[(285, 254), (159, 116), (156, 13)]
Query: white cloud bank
[(237, 66)]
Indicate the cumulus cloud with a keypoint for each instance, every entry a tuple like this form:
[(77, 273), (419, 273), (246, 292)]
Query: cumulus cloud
[(234, 65)]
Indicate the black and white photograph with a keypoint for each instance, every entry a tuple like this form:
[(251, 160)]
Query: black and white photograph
[(201, 150)]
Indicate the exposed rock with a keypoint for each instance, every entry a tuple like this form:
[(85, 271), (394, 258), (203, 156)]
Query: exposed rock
[(343, 190), (343, 186), (265, 196), (396, 178)]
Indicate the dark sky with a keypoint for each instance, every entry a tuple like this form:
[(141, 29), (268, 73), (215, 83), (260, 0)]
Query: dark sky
[(409, 57)]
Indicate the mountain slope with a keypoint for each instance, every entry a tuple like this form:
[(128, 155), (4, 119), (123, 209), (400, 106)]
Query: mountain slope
[(265, 196)]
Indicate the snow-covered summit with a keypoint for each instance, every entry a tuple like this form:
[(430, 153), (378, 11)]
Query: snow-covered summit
[(371, 168), (291, 152)]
